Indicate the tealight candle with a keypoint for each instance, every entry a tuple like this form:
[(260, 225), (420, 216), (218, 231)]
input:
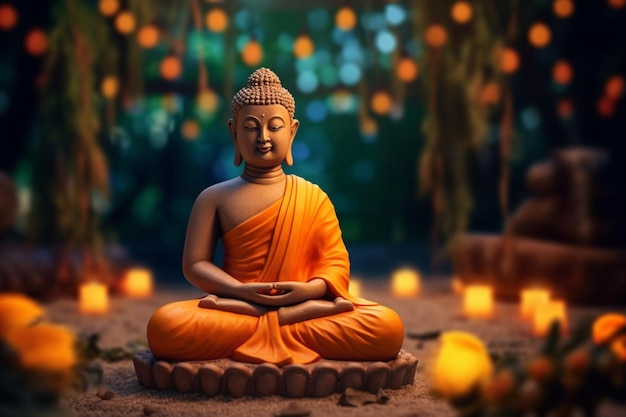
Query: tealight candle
[(478, 301), (138, 283), (530, 299), (405, 282), (546, 314), (355, 287), (93, 298)]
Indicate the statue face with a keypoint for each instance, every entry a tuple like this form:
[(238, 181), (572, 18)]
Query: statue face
[(263, 134)]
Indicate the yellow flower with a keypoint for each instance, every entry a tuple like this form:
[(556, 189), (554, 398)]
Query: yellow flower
[(44, 347), (461, 364), (17, 310)]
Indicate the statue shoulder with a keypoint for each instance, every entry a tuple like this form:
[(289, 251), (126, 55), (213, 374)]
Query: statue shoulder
[(219, 192)]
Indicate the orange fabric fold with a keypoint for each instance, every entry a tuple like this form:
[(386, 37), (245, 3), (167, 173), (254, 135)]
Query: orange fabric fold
[(295, 239)]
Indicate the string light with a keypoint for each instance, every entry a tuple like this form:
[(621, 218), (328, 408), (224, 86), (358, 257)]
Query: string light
[(252, 53), (461, 12), (125, 23), (407, 70), (614, 87), (36, 42), (381, 103), (148, 36), (108, 7), (539, 35), (171, 67), (303, 47), (616, 4), (562, 72), (509, 60), (8, 17), (345, 18), (605, 107), (190, 129), (216, 20), (563, 8), (436, 35), (109, 86)]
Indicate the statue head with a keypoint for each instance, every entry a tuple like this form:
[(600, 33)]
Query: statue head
[(263, 88)]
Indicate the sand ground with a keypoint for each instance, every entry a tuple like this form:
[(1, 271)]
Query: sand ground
[(435, 309)]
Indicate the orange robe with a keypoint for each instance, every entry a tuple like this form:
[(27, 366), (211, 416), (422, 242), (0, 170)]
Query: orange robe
[(295, 239)]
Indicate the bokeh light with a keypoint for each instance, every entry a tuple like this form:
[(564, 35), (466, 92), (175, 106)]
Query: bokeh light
[(8, 17), (509, 60), (207, 101), (562, 72), (565, 108), (461, 12), (318, 18), (108, 7), (616, 4), (252, 53), (110, 86), (316, 111), (350, 73), (530, 118), (489, 93), (170, 67), (407, 70), (148, 36), (190, 129), (395, 14), (539, 35), (345, 18), (614, 87), (125, 23), (605, 107), (36, 42), (436, 35), (216, 20), (342, 101), (385, 41), (381, 103), (307, 81), (303, 47), (369, 129), (563, 8), (329, 76)]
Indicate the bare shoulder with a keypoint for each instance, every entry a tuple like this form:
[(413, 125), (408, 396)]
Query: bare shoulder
[(218, 193)]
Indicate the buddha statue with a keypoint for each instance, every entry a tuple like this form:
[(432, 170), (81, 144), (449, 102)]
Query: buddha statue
[(281, 295)]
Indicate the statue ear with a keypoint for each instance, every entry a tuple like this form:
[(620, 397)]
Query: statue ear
[(294, 129), (289, 157), (232, 127), (238, 157)]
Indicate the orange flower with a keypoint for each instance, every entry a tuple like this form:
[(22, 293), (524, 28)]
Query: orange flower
[(606, 325), (16, 311), (44, 347)]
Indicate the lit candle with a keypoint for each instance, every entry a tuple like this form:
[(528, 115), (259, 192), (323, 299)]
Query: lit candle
[(546, 314), (405, 282), (355, 287), (531, 298), (93, 298), (478, 301), (138, 283)]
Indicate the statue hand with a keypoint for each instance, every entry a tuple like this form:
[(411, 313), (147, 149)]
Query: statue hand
[(292, 292)]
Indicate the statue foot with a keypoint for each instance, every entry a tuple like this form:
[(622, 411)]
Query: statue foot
[(295, 380), (210, 378), (184, 377), (266, 380), (352, 376), (324, 379)]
